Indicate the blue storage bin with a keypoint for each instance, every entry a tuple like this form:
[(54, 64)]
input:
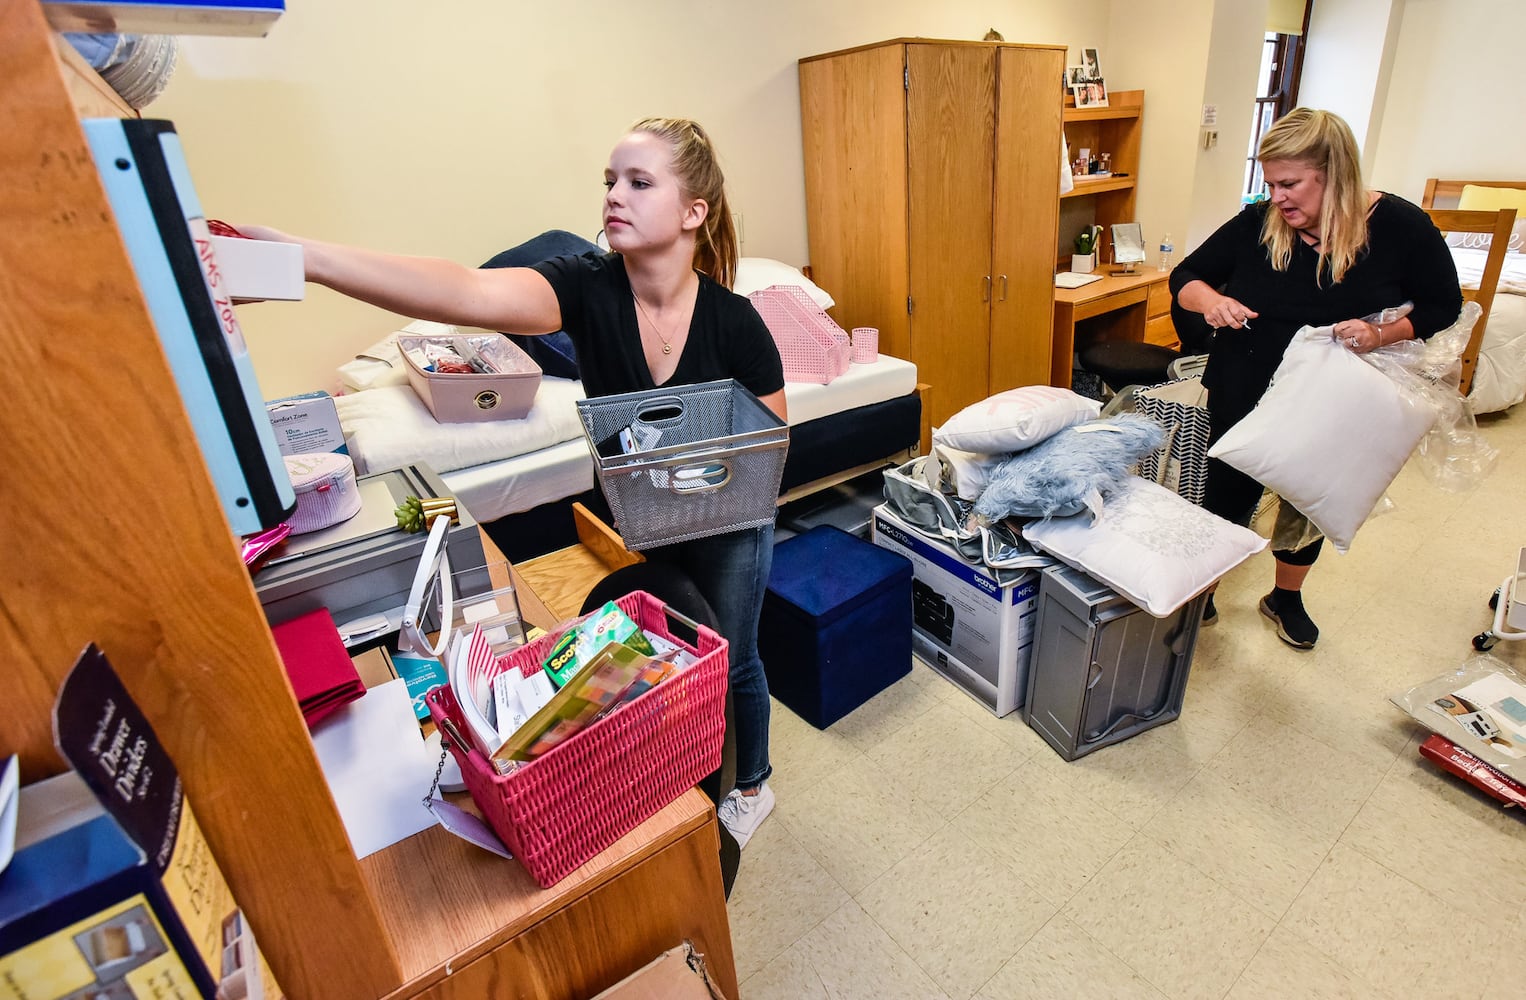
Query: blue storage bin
[(836, 623)]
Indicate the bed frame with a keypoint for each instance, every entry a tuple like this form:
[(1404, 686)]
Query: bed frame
[(1440, 203)]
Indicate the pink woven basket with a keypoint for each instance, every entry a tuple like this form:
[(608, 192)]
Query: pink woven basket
[(811, 345), (559, 810)]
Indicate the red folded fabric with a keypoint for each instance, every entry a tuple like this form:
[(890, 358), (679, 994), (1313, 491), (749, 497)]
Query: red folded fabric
[(321, 671)]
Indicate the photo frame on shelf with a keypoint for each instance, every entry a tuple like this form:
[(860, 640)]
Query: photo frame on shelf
[(1091, 65), (1075, 76), (1092, 94)]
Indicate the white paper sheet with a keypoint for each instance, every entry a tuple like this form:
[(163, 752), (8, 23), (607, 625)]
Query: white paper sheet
[(377, 767), (10, 796)]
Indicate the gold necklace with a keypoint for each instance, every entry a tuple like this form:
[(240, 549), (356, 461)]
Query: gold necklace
[(667, 342)]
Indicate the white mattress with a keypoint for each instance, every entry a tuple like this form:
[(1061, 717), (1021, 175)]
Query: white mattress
[(1499, 381), (517, 484), (512, 485), (860, 385)]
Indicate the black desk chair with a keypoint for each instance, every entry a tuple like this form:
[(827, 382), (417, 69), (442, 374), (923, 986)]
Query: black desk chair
[(1121, 363)]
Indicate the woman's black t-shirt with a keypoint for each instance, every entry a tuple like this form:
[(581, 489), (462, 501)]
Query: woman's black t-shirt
[(1405, 260), (727, 337)]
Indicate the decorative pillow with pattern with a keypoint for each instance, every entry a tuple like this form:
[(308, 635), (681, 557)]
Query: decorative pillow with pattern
[(1150, 545)]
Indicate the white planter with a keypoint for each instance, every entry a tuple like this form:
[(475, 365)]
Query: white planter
[(1083, 263)]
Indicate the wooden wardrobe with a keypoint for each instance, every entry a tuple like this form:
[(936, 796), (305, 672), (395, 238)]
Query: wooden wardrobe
[(932, 174)]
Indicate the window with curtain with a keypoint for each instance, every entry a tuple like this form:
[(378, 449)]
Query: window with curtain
[(1277, 86)]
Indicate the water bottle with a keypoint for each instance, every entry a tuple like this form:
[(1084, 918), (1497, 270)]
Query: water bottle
[(1166, 250)]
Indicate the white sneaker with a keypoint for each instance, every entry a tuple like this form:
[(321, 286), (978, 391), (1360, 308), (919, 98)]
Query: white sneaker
[(743, 814)]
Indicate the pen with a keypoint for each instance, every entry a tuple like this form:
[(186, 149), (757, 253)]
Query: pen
[(454, 735)]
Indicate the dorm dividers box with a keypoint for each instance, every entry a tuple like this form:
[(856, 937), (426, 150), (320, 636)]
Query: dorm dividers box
[(836, 624), (1103, 668), (965, 624), (306, 423)]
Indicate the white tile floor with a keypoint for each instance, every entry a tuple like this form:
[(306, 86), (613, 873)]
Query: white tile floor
[(1282, 839)]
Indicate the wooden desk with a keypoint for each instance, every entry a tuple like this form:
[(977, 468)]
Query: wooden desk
[(1118, 307), (467, 924)]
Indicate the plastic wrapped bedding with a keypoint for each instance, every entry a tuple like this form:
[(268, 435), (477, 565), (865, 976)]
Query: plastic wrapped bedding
[(1499, 382), (915, 495)]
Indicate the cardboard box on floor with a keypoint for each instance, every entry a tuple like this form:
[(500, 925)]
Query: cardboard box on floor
[(965, 624), (667, 977)]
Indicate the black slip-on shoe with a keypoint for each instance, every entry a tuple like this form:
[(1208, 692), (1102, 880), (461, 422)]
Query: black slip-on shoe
[(1294, 626)]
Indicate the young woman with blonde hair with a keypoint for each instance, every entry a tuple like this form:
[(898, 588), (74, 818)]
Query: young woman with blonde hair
[(656, 310), (1321, 250)]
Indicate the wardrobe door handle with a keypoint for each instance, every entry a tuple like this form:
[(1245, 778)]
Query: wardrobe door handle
[(985, 289), (1003, 288)]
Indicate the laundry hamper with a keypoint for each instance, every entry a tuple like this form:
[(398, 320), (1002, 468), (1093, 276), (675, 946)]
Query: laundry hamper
[(711, 462), (556, 812)]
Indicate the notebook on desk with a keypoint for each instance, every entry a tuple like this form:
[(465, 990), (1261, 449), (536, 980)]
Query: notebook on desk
[(1074, 279)]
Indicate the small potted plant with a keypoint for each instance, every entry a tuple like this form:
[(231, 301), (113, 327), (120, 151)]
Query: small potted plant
[(1084, 260)]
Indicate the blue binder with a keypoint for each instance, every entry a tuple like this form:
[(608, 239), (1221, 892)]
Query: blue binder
[(143, 168)]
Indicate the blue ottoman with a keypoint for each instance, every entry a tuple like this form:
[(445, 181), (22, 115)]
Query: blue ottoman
[(836, 623)]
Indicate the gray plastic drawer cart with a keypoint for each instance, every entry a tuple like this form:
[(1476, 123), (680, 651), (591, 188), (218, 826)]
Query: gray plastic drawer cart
[(1103, 669)]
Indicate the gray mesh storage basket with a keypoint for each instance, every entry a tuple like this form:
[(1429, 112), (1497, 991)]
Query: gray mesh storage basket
[(714, 467)]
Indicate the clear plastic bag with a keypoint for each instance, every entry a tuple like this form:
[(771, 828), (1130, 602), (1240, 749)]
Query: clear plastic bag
[(1480, 706), (1454, 456)]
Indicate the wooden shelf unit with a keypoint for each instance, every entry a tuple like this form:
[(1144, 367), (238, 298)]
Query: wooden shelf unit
[(118, 537), (1115, 129)]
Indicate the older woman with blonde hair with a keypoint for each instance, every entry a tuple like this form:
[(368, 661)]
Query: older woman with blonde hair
[(1321, 250)]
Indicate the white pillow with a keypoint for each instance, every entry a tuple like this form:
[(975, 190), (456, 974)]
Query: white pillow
[(757, 273), (1329, 435), (1150, 545), (1016, 419), (381, 364)]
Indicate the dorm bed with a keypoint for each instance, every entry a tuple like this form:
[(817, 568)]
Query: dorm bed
[(1494, 275), (520, 477)]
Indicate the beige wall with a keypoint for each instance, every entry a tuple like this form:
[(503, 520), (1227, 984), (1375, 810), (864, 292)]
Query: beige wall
[(461, 128), (1454, 106), (1349, 55)]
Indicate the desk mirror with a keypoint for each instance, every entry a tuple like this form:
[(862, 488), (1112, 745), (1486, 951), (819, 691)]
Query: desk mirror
[(1128, 244)]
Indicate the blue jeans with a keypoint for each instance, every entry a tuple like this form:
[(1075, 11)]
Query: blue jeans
[(731, 571)]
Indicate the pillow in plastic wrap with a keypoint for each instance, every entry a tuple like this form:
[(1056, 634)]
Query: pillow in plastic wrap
[(1071, 471), (1150, 545), (381, 364), (1330, 434)]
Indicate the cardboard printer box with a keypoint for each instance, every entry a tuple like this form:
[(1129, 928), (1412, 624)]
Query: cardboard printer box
[(966, 625)]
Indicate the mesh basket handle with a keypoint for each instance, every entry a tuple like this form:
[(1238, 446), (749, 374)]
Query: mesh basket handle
[(666, 409), (700, 477)]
